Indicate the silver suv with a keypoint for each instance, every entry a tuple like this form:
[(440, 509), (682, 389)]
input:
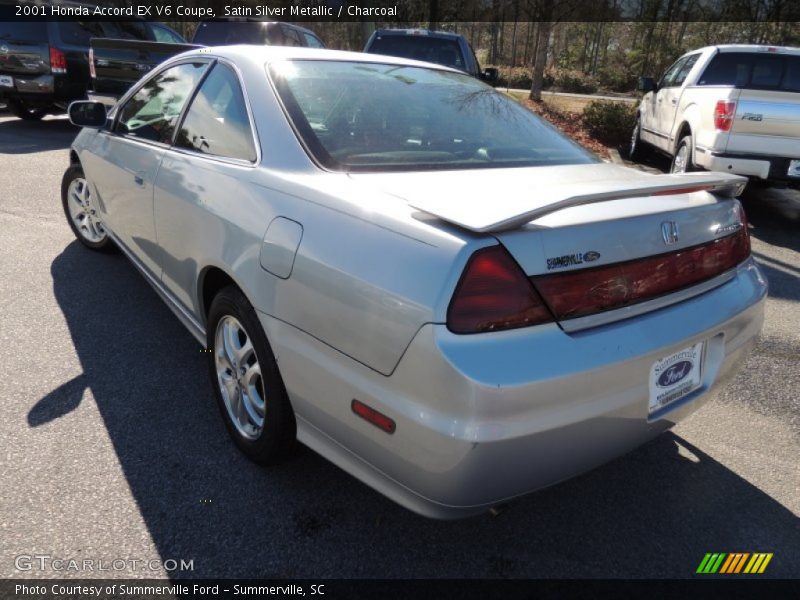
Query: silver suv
[(732, 108)]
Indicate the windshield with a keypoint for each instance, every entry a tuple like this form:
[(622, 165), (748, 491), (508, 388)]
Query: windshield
[(376, 117), (24, 31)]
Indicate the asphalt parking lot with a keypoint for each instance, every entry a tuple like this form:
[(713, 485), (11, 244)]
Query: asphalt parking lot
[(112, 445)]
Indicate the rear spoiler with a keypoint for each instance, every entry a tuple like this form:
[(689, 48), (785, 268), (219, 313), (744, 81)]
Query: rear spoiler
[(513, 212)]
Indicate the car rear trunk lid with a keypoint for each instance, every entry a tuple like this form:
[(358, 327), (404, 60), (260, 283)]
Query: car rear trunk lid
[(24, 49)]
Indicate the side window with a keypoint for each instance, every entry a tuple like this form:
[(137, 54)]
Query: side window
[(153, 111), (685, 69), (80, 32), (274, 35), (290, 37), (162, 34), (216, 122), (313, 41), (669, 74)]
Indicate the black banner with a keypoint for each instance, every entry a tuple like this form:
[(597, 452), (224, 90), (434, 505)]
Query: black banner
[(406, 11), (418, 589)]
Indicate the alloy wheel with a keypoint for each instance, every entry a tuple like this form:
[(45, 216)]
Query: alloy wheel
[(82, 211), (239, 377)]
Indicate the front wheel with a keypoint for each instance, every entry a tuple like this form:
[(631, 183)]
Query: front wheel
[(682, 161), (81, 210), (23, 110), (247, 385)]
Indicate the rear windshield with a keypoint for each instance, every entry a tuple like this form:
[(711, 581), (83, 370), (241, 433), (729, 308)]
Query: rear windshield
[(419, 47), (756, 71), (378, 117), (221, 33), (23, 31)]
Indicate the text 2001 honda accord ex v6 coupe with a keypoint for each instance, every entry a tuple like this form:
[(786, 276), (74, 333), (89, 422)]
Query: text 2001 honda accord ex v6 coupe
[(410, 273)]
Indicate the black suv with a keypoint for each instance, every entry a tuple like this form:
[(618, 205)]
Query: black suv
[(440, 47), (44, 65)]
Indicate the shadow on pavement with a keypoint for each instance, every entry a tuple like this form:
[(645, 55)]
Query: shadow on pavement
[(654, 512), (26, 137)]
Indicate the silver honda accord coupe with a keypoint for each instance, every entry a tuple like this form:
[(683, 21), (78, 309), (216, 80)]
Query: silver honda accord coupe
[(410, 273)]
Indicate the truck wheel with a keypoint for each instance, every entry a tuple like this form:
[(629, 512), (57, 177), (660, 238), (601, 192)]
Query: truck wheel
[(636, 150), (682, 161), (23, 110)]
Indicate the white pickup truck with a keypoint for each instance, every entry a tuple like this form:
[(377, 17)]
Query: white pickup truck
[(731, 108)]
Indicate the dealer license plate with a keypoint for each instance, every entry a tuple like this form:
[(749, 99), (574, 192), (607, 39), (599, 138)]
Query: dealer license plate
[(794, 168), (675, 376), (6, 81)]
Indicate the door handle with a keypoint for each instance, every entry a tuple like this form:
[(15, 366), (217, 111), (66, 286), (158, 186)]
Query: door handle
[(674, 101), (660, 99), (138, 178)]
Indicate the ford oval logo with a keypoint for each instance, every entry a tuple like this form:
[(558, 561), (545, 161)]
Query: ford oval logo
[(675, 373), (591, 256)]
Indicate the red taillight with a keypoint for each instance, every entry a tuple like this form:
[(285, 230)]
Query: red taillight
[(590, 291), (494, 294), (92, 72), (723, 114), (58, 61), (368, 413)]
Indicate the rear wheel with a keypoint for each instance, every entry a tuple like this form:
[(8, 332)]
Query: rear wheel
[(247, 385), (682, 161), (24, 110)]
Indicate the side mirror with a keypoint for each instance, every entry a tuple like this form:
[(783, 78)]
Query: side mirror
[(646, 84), (490, 75), (87, 114)]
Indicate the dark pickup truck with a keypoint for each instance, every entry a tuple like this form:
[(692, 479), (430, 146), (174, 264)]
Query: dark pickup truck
[(117, 64), (44, 65)]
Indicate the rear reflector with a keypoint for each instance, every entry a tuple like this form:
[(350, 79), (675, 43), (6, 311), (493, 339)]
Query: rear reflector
[(493, 294), (589, 291), (58, 61), (371, 415), (723, 114)]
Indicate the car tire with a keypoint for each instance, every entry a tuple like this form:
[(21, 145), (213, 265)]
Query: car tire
[(247, 384), (636, 147), (77, 200), (21, 109), (682, 160)]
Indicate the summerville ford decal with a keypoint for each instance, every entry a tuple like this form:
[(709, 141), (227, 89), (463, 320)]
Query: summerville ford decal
[(568, 260)]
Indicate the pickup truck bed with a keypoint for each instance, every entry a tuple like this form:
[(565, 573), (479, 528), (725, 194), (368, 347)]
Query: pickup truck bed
[(117, 64)]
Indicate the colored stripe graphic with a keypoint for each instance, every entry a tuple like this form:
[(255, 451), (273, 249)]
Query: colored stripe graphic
[(722, 563), (759, 562), (711, 563)]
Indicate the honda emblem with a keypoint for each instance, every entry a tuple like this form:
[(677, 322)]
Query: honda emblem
[(669, 232)]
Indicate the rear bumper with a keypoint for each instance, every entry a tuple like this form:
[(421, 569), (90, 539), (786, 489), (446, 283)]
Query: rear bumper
[(44, 89), (770, 168), (484, 418)]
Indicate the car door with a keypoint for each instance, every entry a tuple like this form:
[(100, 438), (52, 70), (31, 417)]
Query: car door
[(654, 106), (124, 160), (204, 204), (669, 100)]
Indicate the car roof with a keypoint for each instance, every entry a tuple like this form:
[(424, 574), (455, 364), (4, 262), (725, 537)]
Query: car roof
[(420, 32), (258, 54), (754, 48)]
